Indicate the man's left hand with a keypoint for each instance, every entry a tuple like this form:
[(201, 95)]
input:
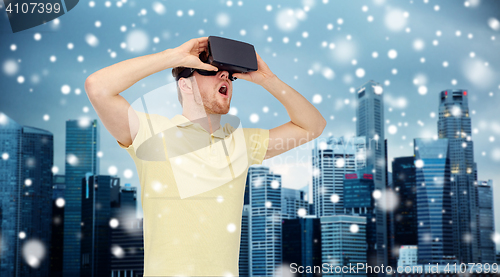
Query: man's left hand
[(258, 77)]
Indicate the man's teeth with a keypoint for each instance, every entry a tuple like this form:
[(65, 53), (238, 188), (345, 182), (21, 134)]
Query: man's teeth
[(223, 89)]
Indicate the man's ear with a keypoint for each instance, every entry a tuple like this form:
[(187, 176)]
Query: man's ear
[(186, 85)]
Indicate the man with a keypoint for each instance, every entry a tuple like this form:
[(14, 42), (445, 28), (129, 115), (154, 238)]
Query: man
[(193, 203)]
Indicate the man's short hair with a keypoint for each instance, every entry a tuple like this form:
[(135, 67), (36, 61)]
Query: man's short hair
[(175, 72)]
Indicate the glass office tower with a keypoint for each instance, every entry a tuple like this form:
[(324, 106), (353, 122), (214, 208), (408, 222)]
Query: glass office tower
[(358, 200), (370, 124), (127, 243), (265, 222), (434, 196), (405, 215), (82, 145), (293, 203), (332, 158), (96, 231), (302, 243), (486, 221), (343, 242), (244, 259), (455, 125), (25, 199)]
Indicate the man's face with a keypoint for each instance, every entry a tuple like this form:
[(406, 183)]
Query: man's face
[(215, 91)]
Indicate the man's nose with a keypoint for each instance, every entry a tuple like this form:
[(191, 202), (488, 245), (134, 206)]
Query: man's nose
[(224, 74)]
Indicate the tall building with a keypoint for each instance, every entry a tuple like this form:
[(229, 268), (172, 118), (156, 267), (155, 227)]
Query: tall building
[(128, 197), (405, 215), (486, 222), (332, 158), (370, 124), (244, 258), (265, 222), (96, 222), (82, 145), (293, 203), (56, 246), (127, 249), (454, 124), (25, 199), (127, 242), (358, 200), (343, 242), (302, 244), (358, 188), (434, 197)]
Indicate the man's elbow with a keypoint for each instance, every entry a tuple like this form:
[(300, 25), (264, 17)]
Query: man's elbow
[(90, 86), (319, 129)]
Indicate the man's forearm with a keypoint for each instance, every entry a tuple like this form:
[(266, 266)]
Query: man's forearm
[(118, 77), (301, 111)]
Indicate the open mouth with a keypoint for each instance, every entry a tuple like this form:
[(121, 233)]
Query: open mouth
[(223, 90)]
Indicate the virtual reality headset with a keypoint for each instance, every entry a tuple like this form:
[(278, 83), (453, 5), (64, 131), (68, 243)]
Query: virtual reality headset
[(227, 55)]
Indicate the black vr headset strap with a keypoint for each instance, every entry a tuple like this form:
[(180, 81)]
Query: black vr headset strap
[(185, 73)]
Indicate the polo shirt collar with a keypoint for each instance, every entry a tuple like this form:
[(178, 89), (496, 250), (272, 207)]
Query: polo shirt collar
[(181, 121)]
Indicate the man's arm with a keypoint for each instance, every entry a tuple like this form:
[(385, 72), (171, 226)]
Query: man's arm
[(104, 86), (306, 123)]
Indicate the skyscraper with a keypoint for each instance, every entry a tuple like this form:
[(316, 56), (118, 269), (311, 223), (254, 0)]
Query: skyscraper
[(486, 221), (244, 258), (25, 199), (265, 222), (82, 145), (96, 221), (302, 243), (293, 203), (370, 124), (434, 209), (405, 215), (358, 200), (455, 125), (127, 242), (56, 245), (343, 242), (332, 158)]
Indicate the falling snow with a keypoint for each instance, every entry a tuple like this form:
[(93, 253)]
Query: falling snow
[(416, 71)]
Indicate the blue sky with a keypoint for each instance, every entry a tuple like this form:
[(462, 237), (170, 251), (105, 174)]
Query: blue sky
[(323, 49)]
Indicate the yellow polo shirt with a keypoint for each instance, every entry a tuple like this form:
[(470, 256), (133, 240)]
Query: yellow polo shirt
[(192, 191)]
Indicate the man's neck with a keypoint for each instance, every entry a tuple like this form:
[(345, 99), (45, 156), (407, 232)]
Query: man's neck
[(209, 122)]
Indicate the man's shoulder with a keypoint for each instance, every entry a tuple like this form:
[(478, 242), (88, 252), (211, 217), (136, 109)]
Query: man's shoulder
[(255, 133)]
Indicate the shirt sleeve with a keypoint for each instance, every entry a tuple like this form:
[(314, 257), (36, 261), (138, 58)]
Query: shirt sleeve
[(257, 143), (143, 133)]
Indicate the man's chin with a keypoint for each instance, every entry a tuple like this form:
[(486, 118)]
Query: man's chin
[(224, 112), (220, 111)]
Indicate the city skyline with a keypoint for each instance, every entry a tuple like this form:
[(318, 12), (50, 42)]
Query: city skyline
[(266, 192)]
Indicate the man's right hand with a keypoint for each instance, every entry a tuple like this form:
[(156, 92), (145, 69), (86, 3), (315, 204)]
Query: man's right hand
[(188, 54)]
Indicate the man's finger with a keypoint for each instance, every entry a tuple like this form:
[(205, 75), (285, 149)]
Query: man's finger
[(241, 76), (202, 39), (208, 67)]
